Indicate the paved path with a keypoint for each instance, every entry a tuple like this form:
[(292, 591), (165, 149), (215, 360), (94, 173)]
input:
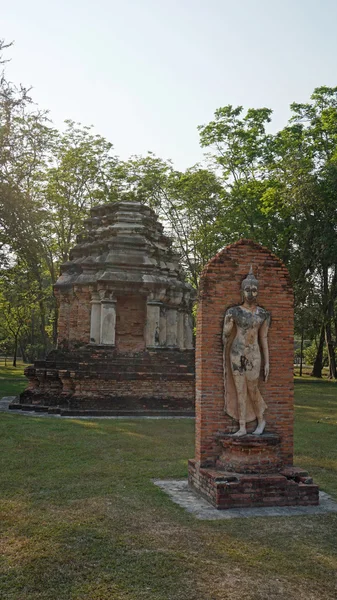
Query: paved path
[(6, 400), (180, 492)]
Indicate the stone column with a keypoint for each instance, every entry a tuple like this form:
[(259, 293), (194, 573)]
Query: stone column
[(180, 330), (152, 324), (95, 322), (162, 327), (171, 327), (108, 321), (188, 332)]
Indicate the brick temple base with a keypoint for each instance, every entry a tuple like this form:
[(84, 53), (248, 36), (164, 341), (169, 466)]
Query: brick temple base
[(100, 381), (290, 486)]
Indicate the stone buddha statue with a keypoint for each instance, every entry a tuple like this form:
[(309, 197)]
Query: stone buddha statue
[(245, 333)]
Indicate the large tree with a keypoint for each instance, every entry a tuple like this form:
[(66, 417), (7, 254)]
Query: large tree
[(48, 182), (282, 192)]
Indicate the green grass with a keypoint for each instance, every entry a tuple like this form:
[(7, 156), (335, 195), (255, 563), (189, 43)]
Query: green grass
[(12, 379), (316, 430), (82, 520)]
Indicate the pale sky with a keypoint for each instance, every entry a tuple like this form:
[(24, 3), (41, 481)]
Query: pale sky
[(146, 73)]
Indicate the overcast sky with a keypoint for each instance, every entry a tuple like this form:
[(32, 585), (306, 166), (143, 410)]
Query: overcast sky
[(146, 73)]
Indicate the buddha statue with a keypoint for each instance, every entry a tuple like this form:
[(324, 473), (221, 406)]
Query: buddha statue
[(245, 332)]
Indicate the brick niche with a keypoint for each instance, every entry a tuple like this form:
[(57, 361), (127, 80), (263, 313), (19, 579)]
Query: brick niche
[(252, 470)]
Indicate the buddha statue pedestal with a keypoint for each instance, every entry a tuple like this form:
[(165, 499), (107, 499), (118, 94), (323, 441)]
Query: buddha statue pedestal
[(249, 472), (250, 453), (228, 489)]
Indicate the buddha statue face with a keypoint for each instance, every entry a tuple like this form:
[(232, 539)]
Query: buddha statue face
[(250, 293), (249, 288)]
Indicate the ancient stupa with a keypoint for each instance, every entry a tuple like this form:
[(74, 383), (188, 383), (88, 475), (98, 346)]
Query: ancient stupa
[(125, 335)]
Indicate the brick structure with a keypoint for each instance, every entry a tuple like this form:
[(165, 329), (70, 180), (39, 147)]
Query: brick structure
[(125, 339), (251, 470)]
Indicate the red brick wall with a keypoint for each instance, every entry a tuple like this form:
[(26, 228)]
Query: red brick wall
[(220, 286), (64, 306), (130, 323), (82, 333), (113, 387), (73, 326), (103, 378)]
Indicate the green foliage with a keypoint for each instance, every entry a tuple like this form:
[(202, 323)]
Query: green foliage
[(48, 182), (278, 189), (78, 177), (282, 191), (19, 296), (239, 145), (189, 204), (310, 353)]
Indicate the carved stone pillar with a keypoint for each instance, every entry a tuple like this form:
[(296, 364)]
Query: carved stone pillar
[(108, 320), (95, 322), (162, 327), (180, 330), (152, 323), (188, 331), (171, 327)]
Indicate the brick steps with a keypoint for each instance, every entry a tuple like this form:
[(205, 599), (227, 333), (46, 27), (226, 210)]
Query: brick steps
[(28, 407), (131, 375), (94, 412)]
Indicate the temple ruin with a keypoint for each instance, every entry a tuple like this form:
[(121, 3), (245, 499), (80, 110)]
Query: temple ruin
[(125, 330)]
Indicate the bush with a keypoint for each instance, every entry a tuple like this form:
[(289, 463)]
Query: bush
[(310, 352)]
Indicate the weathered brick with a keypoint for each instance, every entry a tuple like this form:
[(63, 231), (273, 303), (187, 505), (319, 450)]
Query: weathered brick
[(220, 286)]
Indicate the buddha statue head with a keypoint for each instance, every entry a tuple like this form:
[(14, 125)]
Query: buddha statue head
[(249, 287)]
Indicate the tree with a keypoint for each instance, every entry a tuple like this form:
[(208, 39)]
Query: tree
[(282, 192), (315, 193), (48, 182), (190, 204), (240, 148), (80, 175), (18, 297)]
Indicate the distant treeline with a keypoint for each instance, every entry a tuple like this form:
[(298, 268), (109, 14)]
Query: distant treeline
[(278, 189)]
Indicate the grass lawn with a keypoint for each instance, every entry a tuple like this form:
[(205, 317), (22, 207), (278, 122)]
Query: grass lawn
[(81, 519), (12, 379)]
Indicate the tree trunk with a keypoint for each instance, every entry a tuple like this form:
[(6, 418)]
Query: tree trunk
[(32, 330), (331, 351), (318, 364), (42, 311), (15, 350), (301, 356), (23, 353)]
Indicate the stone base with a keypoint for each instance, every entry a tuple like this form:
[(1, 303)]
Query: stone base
[(97, 412), (250, 453), (98, 380), (290, 486)]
